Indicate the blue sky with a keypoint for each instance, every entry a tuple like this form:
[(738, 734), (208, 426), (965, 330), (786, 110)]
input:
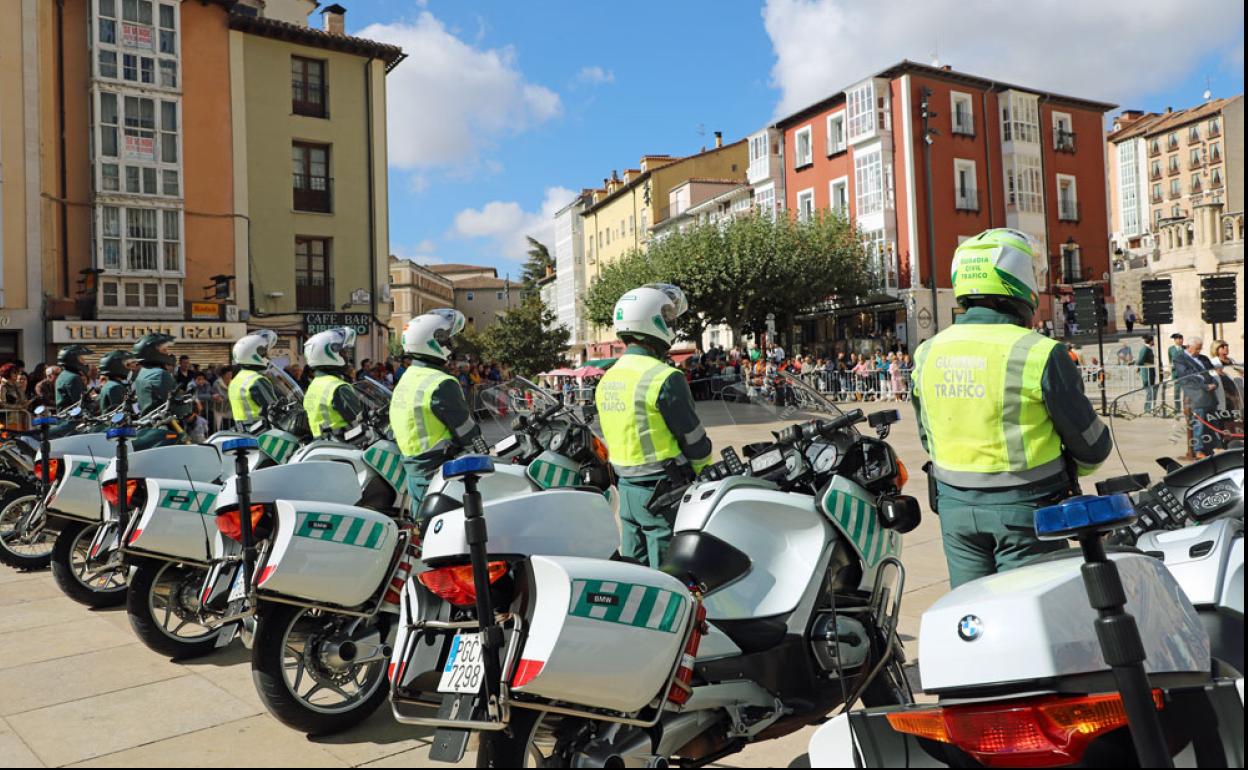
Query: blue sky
[(503, 109)]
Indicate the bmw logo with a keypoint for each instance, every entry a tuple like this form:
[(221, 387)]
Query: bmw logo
[(970, 628), (437, 526)]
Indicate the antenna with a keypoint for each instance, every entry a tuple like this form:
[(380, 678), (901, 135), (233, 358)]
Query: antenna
[(200, 514), (936, 51), (1208, 89)]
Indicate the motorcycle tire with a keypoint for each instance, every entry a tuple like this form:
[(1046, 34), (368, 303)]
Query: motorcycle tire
[(510, 747), (11, 480), (142, 613), (68, 542), (26, 562), (273, 622)]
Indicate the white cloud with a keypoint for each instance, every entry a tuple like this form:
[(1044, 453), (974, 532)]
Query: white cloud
[(448, 101), (422, 253), (506, 223), (1099, 49), (595, 75)]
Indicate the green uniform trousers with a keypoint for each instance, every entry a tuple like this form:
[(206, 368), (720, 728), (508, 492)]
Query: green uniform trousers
[(644, 535), (983, 540)]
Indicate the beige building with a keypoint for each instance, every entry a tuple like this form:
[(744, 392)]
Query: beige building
[(623, 212), (309, 108), (479, 293), (1196, 156), (415, 290), (1208, 241)]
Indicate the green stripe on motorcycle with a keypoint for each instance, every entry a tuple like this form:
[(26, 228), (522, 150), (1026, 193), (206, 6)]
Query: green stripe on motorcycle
[(606, 612), (90, 471)]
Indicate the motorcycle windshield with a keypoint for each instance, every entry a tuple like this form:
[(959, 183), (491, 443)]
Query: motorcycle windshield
[(283, 384), (375, 395), (1154, 420), (759, 403), (516, 398)]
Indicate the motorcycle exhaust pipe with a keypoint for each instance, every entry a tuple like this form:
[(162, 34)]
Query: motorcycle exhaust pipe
[(652, 760)]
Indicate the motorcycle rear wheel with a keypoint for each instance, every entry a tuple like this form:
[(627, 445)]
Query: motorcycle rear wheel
[(15, 551), (70, 565), (157, 599), (517, 746)]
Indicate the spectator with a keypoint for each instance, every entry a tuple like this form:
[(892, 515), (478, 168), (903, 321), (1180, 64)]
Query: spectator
[(184, 375), (1231, 392), (1195, 373), (1146, 360), (45, 389), (37, 376), (1124, 353), (1130, 318), (12, 397), (1173, 353)]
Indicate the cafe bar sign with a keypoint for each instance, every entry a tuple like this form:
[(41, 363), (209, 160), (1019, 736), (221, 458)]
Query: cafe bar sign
[(131, 331)]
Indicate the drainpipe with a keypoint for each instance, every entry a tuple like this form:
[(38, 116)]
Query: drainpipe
[(983, 101), (64, 184), (1044, 198), (926, 114), (372, 203)]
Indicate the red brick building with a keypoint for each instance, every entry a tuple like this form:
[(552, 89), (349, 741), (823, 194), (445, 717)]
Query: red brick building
[(1001, 155)]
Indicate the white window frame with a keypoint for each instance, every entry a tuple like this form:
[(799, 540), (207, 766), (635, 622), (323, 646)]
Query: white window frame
[(1024, 190), (842, 182), (1020, 117), (805, 195), (860, 117), (148, 55), (800, 161), (165, 140), (963, 98), (764, 200), (965, 199), (869, 187), (1062, 214), (836, 133)]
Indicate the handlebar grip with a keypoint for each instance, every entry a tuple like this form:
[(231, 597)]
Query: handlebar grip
[(844, 421)]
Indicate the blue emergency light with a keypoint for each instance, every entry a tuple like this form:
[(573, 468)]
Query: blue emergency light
[(125, 431), (41, 421), (1086, 513), (467, 465), (241, 444)]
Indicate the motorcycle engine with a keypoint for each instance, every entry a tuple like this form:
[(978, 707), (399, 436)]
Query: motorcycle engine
[(840, 642)]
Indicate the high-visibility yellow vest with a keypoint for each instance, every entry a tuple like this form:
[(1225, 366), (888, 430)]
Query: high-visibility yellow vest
[(242, 404), (416, 429), (982, 407), (318, 403), (627, 398)]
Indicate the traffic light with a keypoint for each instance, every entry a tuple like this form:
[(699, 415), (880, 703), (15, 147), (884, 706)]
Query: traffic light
[(1090, 310), (1218, 304), (1158, 302)]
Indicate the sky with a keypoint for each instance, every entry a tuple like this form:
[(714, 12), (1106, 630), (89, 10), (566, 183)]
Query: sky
[(503, 110)]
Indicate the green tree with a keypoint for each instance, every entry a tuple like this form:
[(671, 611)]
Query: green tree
[(527, 338), (738, 272), (539, 263)]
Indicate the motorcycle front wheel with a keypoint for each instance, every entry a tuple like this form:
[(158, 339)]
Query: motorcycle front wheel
[(301, 679), (77, 575), (162, 602), (16, 549)]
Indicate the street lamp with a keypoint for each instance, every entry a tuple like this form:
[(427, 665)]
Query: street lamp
[(926, 113)]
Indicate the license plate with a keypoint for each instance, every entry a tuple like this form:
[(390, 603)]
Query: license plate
[(506, 445), (239, 589), (465, 667)]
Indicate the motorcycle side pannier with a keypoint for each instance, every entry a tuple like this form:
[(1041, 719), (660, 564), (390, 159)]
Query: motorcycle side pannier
[(601, 633), (328, 554), (176, 521)]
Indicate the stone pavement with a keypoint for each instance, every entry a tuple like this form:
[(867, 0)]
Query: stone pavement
[(77, 688)]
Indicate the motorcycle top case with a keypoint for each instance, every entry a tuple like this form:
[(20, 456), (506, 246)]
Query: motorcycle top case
[(326, 553), (95, 445), (77, 491), (505, 481), (558, 522), (1035, 623), (177, 520), (601, 633), (201, 462), (332, 482)]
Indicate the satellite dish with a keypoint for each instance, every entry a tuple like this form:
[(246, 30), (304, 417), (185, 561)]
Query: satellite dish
[(1208, 94)]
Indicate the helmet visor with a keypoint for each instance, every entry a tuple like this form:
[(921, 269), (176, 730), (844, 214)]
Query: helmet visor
[(679, 305)]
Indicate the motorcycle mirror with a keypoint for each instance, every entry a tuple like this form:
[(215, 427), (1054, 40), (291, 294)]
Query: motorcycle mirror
[(40, 409), (75, 412), (885, 417), (119, 418), (900, 514), (1131, 483), (588, 413), (1169, 464)]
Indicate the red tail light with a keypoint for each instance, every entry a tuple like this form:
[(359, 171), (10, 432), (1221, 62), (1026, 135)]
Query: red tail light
[(266, 573), (682, 686), (135, 534), (600, 449), (454, 584), (526, 671), (1044, 732), (109, 490), (231, 524), (54, 469)]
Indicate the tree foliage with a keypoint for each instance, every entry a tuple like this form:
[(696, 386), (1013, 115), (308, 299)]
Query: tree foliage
[(739, 271), (538, 264), (526, 338)]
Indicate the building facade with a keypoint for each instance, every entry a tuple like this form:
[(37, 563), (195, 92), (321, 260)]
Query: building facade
[(1210, 240), (415, 290), (1128, 181), (1001, 156), (570, 274), (479, 293), (1195, 156), (309, 115)]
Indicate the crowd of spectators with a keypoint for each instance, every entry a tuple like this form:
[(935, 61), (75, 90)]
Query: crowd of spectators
[(878, 376)]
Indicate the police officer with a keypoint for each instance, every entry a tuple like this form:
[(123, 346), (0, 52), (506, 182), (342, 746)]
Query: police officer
[(70, 387), (114, 371), (648, 417), (250, 391), (154, 383), (1001, 412), (330, 402), (429, 415)]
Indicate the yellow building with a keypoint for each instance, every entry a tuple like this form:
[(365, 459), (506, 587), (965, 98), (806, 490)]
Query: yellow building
[(414, 290), (310, 108), (623, 212)]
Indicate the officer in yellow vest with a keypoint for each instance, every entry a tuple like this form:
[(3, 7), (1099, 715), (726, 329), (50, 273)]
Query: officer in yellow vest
[(1001, 412), (648, 418), (429, 415), (250, 391), (330, 403)]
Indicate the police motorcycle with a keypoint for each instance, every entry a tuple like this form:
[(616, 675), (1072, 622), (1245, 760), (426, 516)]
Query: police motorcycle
[(281, 429), (778, 601), (1018, 662), (25, 540)]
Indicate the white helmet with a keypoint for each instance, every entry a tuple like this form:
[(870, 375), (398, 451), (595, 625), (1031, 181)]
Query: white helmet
[(650, 311), (429, 335), (253, 350), (325, 349)]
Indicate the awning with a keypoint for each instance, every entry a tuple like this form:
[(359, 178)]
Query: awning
[(602, 363), (680, 356), (558, 373)]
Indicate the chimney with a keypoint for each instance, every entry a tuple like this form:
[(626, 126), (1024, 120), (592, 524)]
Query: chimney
[(719, 139), (335, 19), (615, 176)]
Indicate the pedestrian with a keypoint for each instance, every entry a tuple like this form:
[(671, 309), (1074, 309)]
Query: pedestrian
[(1001, 412), (1130, 318), (184, 376), (1195, 376), (1231, 392), (1173, 353), (894, 371), (1146, 363)]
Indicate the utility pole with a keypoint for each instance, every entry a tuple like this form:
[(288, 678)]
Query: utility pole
[(928, 132)]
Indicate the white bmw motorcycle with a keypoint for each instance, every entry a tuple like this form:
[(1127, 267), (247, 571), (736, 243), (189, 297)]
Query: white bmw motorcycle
[(779, 600), (1014, 661)]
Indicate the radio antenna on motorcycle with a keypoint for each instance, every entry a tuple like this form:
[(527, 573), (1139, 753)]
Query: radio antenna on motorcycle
[(195, 502)]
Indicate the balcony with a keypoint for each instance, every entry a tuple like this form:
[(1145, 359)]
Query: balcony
[(1215, 130), (1216, 184), (314, 292), (1215, 157), (1155, 174), (1157, 198), (1064, 141), (963, 128), (1197, 188), (966, 200), (1176, 193), (309, 99), (1174, 168), (1172, 143), (1154, 149), (313, 193), (1068, 211), (1195, 163)]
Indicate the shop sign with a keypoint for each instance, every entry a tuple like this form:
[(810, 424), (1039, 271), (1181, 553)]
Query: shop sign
[(136, 35), (315, 323), (140, 147), (202, 311), (131, 331)]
